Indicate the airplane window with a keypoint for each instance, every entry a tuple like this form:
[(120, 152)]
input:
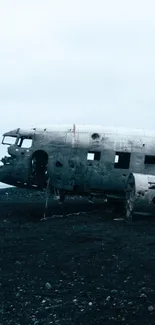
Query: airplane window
[(27, 143), (149, 160), (93, 155), (116, 158), (122, 160), (9, 140), (24, 143), (90, 156)]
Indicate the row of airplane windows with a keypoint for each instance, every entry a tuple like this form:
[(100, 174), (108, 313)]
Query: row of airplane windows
[(122, 159)]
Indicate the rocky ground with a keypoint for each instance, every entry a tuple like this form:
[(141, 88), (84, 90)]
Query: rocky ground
[(83, 268)]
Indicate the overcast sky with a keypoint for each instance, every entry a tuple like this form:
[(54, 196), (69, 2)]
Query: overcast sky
[(77, 61)]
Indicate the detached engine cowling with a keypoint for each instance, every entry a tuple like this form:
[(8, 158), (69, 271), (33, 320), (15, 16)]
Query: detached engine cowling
[(140, 196)]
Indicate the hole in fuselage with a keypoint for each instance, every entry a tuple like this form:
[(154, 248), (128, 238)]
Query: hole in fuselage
[(58, 164), (95, 136)]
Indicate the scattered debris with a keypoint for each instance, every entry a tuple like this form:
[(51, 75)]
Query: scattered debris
[(150, 309), (114, 291), (143, 295), (48, 286), (108, 298)]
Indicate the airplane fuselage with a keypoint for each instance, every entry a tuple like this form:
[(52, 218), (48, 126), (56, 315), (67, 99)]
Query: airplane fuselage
[(78, 159)]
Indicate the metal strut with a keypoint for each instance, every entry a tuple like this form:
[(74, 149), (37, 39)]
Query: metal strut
[(46, 199), (56, 194)]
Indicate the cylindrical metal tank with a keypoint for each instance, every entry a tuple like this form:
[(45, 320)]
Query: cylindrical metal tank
[(140, 196)]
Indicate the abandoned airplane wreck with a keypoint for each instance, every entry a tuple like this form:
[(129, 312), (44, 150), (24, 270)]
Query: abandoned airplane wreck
[(118, 164)]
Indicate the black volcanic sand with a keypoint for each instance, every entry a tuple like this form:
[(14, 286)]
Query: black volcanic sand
[(83, 268)]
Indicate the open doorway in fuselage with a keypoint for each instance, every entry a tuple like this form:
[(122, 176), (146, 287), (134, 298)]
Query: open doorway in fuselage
[(39, 165)]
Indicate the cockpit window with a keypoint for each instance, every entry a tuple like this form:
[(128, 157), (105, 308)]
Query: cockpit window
[(24, 143), (9, 140)]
